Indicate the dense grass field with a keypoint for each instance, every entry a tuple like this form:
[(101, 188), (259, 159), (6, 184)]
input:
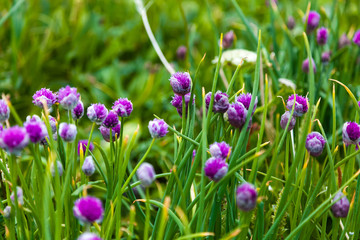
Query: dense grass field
[(272, 155)]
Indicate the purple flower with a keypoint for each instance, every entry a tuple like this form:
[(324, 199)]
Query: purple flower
[(181, 53), (221, 102), (4, 111), (89, 236), (7, 212), (301, 105), (340, 208), (83, 144), (291, 22), (68, 97), (88, 209), (343, 41), (88, 166), (322, 36), (123, 107), (46, 95), (306, 65), (351, 133), (158, 128), (315, 144), (60, 169), (246, 196), (194, 153), (20, 196), (78, 111), (228, 39), (245, 99), (1, 127), (146, 174), (180, 83), (105, 132), (325, 57), (215, 168), (220, 150), (237, 114), (285, 119), (111, 120), (312, 21), (35, 128), (177, 102), (53, 123), (97, 113), (356, 38), (14, 139), (67, 132)]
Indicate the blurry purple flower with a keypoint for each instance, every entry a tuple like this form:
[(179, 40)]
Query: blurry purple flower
[(245, 99), (322, 36), (177, 102), (312, 21), (237, 114), (111, 120), (215, 168), (68, 97), (83, 144), (180, 83), (20, 196), (158, 128), (46, 95), (78, 111), (4, 111), (291, 22), (181, 53), (89, 236), (343, 41), (67, 132), (97, 113), (315, 144), (220, 150), (60, 169), (88, 209), (194, 153), (221, 102), (123, 107), (285, 119), (35, 128), (146, 174), (301, 105), (7, 212), (88, 166), (14, 139), (105, 132), (340, 209), (325, 57), (306, 65), (228, 39), (53, 123), (1, 127), (246, 196), (351, 133), (356, 38)]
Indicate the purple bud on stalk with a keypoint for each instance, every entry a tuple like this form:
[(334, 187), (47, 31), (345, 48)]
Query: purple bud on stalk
[(220, 150), (68, 97), (146, 174), (4, 111), (53, 124), (88, 166), (20, 196), (228, 39), (97, 113), (181, 83), (88, 209), (315, 144), (340, 208), (123, 107), (246, 197), (60, 169), (89, 236), (343, 41), (356, 38), (7, 212), (158, 128), (325, 57), (221, 102), (67, 132), (237, 114), (306, 65), (351, 133), (111, 120), (291, 22), (46, 95), (301, 105), (83, 144), (285, 119), (35, 128), (14, 139), (215, 168), (322, 36), (78, 111), (181, 53), (312, 21), (105, 132), (245, 99), (177, 102)]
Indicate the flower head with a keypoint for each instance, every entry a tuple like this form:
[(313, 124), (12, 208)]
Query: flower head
[(237, 114), (322, 36), (146, 174), (83, 144), (46, 95), (315, 144), (325, 57), (89, 236), (105, 132), (246, 196), (97, 113), (78, 111), (343, 41), (220, 150), (88, 209), (35, 128), (177, 102), (351, 133), (7, 212), (245, 99), (158, 128), (14, 139), (306, 65), (221, 102), (53, 124), (67, 131), (312, 21), (228, 39), (180, 83), (68, 97), (301, 105), (111, 120), (181, 52), (215, 168), (88, 166), (123, 107), (340, 208), (20, 196), (60, 169), (285, 119), (356, 38), (4, 111), (291, 22)]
